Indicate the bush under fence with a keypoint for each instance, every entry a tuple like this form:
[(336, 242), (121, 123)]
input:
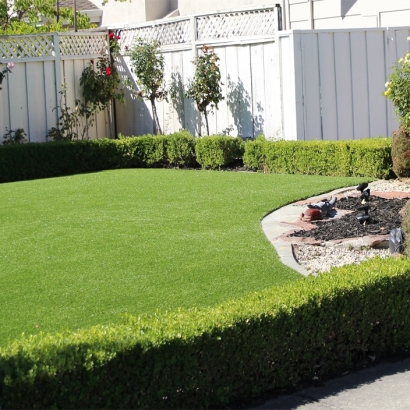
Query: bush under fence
[(268, 340), (369, 157), (31, 161)]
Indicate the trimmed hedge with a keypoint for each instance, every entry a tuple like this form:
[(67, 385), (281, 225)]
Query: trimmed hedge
[(30, 161), (207, 358), (215, 151), (369, 157)]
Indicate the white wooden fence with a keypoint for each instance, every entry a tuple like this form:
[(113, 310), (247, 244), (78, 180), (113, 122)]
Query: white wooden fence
[(336, 82), (296, 85), (244, 42), (43, 63)]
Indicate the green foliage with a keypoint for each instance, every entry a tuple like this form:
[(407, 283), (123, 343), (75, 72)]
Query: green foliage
[(406, 228), (398, 90), (35, 16), (32, 161), (205, 88), (367, 157), (17, 136), (215, 152), (73, 124), (101, 84), (208, 358), (5, 71), (254, 156), (400, 152), (180, 149), (148, 65)]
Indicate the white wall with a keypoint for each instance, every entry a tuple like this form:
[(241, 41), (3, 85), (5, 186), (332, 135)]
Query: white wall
[(328, 14), (121, 14), (187, 7)]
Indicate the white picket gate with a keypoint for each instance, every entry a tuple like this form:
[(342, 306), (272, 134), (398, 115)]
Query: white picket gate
[(43, 63)]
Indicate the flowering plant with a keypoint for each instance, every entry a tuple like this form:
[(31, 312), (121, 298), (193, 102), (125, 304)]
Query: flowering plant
[(3, 73), (398, 90), (101, 81)]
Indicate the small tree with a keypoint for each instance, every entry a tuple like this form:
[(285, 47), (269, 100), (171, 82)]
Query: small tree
[(148, 65), (205, 88)]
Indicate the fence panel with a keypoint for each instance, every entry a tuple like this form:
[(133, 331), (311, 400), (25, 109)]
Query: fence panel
[(43, 63), (343, 94), (247, 57)]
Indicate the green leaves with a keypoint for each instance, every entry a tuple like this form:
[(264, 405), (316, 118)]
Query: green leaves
[(398, 90), (148, 65), (370, 157), (205, 88)]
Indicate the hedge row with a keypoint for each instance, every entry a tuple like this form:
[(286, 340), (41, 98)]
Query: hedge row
[(30, 161), (207, 358), (369, 157)]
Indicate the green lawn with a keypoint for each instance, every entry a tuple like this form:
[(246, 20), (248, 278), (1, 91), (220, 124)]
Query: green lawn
[(81, 250)]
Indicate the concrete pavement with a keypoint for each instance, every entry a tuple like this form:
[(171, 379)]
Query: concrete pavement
[(383, 387)]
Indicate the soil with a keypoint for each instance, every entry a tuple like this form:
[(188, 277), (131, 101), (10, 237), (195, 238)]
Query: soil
[(384, 216)]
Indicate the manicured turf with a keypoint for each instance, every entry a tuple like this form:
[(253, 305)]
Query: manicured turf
[(81, 250)]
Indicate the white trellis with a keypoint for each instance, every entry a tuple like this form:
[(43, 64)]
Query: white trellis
[(44, 63)]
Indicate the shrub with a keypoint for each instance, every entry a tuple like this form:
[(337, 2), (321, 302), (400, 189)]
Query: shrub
[(29, 161), (254, 155), (206, 358), (400, 153), (406, 228), (180, 149), (215, 152), (368, 157), (398, 90)]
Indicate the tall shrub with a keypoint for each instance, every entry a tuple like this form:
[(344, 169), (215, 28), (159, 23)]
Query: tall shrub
[(398, 92), (205, 88), (148, 65)]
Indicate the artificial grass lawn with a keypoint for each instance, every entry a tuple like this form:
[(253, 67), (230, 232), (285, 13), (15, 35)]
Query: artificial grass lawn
[(80, 250)]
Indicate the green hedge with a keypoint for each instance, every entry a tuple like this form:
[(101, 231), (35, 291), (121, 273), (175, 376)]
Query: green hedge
[(215, 152), (369, 157), (269, 340), (31, 161)]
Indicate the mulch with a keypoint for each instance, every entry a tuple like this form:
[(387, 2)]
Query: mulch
[(384, 216)]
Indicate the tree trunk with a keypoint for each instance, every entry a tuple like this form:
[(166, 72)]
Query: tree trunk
[(157, 126), (206, 122)]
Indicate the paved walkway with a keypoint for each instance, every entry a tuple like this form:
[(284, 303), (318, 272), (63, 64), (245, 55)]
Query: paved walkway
[(383, 387)]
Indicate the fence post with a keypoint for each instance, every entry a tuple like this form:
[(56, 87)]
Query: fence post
[(279, 73), (194, 52), (57, 71)]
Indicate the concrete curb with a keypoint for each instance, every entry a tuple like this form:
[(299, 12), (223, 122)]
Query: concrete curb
[(274, 226)]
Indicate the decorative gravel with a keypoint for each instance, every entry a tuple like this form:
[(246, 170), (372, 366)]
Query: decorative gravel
[(317, 259)]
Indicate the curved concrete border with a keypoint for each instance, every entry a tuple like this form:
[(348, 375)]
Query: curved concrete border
[(284, 220)]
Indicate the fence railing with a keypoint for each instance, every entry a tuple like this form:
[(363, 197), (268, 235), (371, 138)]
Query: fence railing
[(204, 28), (44, 64)]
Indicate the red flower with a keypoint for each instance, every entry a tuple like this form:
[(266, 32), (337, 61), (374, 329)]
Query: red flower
[(117, 37), (111, 36), (108, 71)]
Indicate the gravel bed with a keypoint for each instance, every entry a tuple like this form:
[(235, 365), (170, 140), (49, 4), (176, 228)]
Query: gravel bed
[(318, 259)]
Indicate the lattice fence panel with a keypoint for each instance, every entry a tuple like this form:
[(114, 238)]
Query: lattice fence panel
[(177, 32), (236, 24), (26, 46), (83, 45)]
